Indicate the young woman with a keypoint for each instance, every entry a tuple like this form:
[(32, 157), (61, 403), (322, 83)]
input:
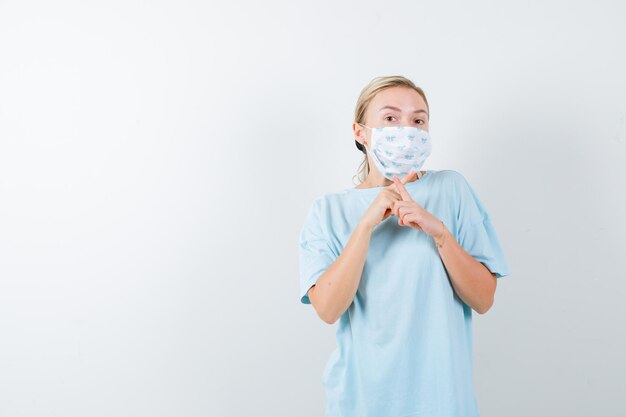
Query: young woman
[(401, 260)]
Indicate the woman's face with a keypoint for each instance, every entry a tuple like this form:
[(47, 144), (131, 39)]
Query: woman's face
[(394, 106)]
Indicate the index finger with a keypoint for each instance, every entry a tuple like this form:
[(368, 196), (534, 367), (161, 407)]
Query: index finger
[(403, 192), (409, 177)]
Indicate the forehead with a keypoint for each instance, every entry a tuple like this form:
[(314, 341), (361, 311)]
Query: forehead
[(405, 98)]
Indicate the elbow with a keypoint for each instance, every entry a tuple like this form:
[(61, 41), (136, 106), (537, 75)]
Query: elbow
[(328, 319), (322, 314), (326, 316), (321, 310), (482, 309), (487, 301)]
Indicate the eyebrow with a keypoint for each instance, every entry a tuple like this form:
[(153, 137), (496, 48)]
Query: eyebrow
[(398, 110)]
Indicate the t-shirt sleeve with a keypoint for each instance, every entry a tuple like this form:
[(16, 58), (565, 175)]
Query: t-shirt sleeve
[(315, 252), (475, 231)]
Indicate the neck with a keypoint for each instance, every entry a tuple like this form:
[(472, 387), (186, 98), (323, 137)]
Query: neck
[(378, 182)]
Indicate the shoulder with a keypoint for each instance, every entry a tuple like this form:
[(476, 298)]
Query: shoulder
[(330, 201), (450, 178), (321, 206), (453, 185), (449, 174), (323, 201)]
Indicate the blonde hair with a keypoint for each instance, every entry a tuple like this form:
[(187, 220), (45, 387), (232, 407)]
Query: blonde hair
[(367, 94)]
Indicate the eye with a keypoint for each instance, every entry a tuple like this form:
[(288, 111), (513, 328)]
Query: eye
[(420, 120), (387, 118)]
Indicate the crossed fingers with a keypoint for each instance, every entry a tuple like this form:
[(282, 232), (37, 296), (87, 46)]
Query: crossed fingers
[(404, 206)]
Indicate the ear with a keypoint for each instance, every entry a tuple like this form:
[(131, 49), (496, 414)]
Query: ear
[(359, 133)]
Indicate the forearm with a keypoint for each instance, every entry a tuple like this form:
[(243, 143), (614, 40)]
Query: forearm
[(335, 289), (471, 280)]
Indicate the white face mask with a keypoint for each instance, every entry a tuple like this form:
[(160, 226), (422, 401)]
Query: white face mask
[(396, 150)]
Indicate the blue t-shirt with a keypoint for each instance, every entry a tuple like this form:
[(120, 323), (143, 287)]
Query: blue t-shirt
[(404, 345)]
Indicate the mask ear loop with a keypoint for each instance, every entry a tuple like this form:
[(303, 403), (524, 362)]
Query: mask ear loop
[(363, 144)]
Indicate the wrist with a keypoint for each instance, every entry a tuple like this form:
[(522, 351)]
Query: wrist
[(365, 226), (441, 238)]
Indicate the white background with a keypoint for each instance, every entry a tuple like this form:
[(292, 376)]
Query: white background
[(157, 160)]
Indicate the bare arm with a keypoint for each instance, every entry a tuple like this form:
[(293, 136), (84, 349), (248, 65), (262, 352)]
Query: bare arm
[(471, 280), (335, 289)]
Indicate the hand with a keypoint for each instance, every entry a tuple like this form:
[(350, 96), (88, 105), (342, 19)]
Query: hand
[(382, 206), (411, 214)]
